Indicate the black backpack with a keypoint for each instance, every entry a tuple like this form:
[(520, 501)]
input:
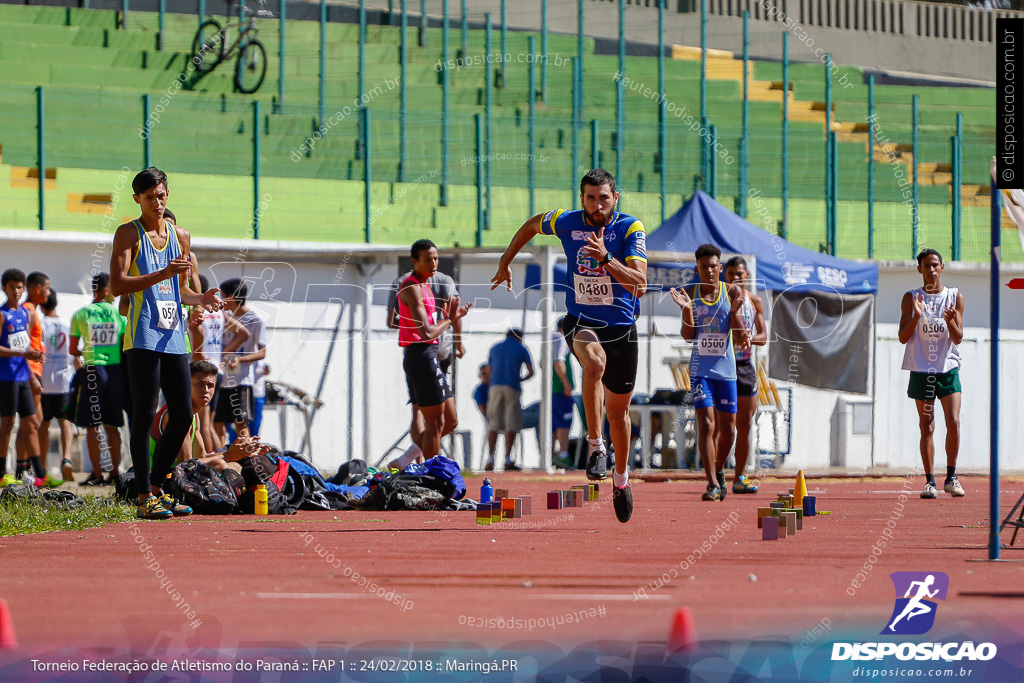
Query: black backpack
[(198, 485)]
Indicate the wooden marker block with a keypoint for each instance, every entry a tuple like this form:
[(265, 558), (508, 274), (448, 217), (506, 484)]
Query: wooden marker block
[(783, 530), (500, 494), (483, 513), (789, 519), (517, 507), (799, 518), (776, 505), (566, 499), (595, 491), (508, 508), (495, 512), (770, 530), (554, 500), (578, 497), (809, 505), (527, 504), (582, 489), (761, 514)]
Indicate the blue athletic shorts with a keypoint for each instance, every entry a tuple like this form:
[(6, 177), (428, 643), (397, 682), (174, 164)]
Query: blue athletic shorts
[(719, 394)]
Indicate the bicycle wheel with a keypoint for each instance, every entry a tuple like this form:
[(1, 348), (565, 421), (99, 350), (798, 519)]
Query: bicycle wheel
[(251, 67), (208, 46)]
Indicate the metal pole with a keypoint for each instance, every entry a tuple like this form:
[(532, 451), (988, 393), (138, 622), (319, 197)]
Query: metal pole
[(202, 11), (744, 179), (834, 236), (124, 14), (488, 101), (444, 104), (480, 218), (784, 232), (464, 26), (283, 7), (323, 58), (914, 158), (595, 149), (958, 179), (620, 96), (993, 492), (256, 169), (504, 38), (241, 10), (531, 122), (364, 113), (162, 11), (146, 148), (546, 360), (544, 51), (703, 60), (423, 23), (575, 127), (829, 161), (362, 52), (828, 96), (662, 110), (579, 30), (871, 166), (403, 104), (712, 162), (41, 154)]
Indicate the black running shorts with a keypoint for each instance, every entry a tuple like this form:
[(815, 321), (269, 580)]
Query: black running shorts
[(746, 378), (427, 383), (621, 346)]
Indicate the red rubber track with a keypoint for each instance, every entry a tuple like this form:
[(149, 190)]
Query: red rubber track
[(228, 569)]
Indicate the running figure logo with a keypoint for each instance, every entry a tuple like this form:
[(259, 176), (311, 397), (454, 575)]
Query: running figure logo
[(914, 613)]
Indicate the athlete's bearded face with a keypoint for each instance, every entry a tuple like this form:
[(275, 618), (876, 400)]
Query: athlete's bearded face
[(599, 204), (425, 264)]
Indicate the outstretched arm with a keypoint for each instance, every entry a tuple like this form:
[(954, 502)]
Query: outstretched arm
[(526, 232)]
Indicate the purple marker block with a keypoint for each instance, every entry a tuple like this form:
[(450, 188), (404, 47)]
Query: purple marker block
[(770, 529)]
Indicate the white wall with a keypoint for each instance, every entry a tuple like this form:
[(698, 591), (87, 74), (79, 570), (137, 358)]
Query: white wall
[(317, 280)]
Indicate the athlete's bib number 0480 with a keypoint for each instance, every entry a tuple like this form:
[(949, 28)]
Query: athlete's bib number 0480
[(594, 291), (168, 312)]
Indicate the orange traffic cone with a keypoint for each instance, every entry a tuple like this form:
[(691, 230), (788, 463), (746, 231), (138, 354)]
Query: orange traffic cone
[(8, 640), (800, 490), (683, 636)]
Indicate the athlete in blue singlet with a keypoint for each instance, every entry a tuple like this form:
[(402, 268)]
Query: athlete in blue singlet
[(607, 275), (150, 263), (711, 320)]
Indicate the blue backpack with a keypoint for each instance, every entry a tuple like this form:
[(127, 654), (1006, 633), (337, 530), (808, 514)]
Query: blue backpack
[(447, 469)]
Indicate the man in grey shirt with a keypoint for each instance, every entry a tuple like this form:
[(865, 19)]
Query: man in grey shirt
[(443, 288)]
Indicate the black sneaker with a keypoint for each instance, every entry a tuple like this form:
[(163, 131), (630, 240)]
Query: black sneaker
[(597, 466), (512, 467), (622, 501), (93, 480)]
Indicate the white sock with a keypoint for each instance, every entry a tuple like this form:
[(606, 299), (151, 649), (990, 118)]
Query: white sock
[(411, 453), (596, 445), (620, 480)]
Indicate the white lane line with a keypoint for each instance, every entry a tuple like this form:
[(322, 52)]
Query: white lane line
[(597, 596)]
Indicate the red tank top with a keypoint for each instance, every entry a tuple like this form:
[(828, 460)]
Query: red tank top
[(408, 332)]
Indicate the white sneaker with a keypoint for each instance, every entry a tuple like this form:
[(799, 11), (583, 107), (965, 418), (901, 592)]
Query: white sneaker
[(930, 491), (954, 488)]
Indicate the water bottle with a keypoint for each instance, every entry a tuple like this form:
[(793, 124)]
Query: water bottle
[(486, 491), (261, 500)]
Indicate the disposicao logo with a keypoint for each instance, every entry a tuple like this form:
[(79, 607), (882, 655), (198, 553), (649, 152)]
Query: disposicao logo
[(914, 614)]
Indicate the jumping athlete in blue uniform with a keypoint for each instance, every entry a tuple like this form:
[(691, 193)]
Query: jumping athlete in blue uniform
[(607, 275)]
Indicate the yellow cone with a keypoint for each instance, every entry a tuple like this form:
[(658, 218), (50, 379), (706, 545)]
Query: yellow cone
[(800, 490)]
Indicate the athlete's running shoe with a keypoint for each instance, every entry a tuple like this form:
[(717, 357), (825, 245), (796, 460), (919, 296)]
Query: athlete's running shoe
[(67, 470), (713, 493), (9, 480), (622, 501), (597, 466), (512, 467), (153, 509), (178, 509), (49, 481), (743, 485), (954, 488), (489, 467), (92, 480), (930, 491)]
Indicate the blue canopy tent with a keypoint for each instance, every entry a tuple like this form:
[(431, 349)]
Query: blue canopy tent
[(781, 265)]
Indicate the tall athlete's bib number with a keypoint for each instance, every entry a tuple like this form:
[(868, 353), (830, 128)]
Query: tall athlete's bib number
[(712, 343), (102, 334), (18, 340), (594, 291), (168, 312), (934, 328)]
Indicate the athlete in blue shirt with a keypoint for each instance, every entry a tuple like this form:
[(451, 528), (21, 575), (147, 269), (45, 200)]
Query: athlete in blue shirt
[(607, 274), (712, 321)]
